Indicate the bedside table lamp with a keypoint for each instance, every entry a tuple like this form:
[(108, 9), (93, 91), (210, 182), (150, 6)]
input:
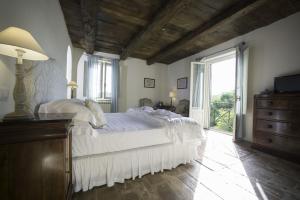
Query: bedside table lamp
[(73, 85), (20, 44), (172, 95)]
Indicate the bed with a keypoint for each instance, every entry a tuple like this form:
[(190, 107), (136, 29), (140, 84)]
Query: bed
[(130, 145)]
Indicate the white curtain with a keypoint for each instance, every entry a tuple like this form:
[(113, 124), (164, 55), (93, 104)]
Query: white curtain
[(115, 85), (242, 56), (93, 77), (197, 101), (206, 96)]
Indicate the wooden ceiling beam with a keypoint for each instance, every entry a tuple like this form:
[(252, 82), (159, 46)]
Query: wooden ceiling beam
[(89, 21), (120, 14), (238, 10), (157, 23)]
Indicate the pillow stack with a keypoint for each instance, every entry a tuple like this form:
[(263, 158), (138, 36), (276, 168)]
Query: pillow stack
[(96, 109), (86, 112)]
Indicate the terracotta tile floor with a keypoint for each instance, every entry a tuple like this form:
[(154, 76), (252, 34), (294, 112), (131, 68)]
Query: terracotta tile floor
[(225, 171)]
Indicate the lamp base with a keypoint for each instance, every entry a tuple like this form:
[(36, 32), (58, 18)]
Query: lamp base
[(18, 115)]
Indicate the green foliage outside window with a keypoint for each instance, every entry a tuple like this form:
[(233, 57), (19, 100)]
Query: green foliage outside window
[(222, 111)]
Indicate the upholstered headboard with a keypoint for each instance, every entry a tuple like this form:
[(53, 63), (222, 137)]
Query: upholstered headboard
[(44, 81), (145, 102)]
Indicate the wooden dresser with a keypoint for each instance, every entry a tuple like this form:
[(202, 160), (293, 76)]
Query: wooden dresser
[(35, 158), (276, 125)]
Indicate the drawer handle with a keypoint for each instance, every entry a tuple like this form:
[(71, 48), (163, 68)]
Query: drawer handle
[(270, 140), (270, 113), (270, 126)]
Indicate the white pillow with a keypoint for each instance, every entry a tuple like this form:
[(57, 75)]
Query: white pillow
[(83, 114), (61, 106), (97, 111), (141, 109), (147, 109)]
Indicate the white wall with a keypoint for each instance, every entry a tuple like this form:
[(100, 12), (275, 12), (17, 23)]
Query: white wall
[(178, 70), (133, 71), (6, 85), (76, 56), (274, 51), (44, 20)]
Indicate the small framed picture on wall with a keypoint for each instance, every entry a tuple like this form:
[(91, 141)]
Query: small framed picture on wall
[(182, 83), (149, 83)]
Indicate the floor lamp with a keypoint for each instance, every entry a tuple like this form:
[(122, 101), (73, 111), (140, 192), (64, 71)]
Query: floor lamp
[(20, 44)]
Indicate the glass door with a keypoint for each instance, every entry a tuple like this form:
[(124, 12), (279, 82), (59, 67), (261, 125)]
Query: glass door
[(222, 94), (218, 91), (196, 91)]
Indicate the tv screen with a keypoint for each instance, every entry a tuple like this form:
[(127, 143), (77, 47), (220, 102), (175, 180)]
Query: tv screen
[(285, 84)]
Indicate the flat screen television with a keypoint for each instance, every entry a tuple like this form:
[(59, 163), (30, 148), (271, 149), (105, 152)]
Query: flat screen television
[(287, 84)]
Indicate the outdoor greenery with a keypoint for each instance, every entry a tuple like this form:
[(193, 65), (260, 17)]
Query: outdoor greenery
[(222, 111)]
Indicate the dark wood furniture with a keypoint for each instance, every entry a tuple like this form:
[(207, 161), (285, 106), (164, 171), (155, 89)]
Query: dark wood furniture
[(145, 102), (35, 158), (276, 125), (183, 107), (166, 107)]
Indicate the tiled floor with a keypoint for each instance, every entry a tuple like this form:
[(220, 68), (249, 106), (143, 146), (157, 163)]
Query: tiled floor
[(225, 171)]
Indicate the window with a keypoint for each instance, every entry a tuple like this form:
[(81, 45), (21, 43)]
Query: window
[(98, 78)]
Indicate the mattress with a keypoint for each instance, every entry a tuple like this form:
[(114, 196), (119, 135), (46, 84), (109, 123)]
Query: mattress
[(134, 129), (123, 131)]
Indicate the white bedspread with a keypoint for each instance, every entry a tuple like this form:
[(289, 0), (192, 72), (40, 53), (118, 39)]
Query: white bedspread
[(180, 129), (123, 131), (133, 129)]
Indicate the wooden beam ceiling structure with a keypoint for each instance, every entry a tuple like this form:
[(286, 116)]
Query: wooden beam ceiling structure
[(165, 31), (235, 11), (157, 23), (89, 21)]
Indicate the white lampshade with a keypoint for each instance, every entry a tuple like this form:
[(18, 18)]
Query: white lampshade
[(12, 39), (72, 84), (172, 94)]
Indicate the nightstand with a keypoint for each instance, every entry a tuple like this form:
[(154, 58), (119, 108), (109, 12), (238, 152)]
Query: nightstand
[(35, 158), (170, 108)]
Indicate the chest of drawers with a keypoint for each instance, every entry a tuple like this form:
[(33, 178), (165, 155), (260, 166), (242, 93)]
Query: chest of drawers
[(35, 158), (276, 125)]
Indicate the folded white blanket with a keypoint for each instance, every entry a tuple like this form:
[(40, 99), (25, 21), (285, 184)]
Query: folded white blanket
[(179, 128)]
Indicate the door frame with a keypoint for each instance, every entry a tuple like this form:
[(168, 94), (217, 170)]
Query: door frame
[(198, 112), (219, 58)]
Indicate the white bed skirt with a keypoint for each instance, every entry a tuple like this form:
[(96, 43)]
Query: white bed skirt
[(110, 168)]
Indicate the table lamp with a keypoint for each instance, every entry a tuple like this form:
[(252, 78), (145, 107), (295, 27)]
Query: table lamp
[(172, 95), (73, 85), (20, 44)]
